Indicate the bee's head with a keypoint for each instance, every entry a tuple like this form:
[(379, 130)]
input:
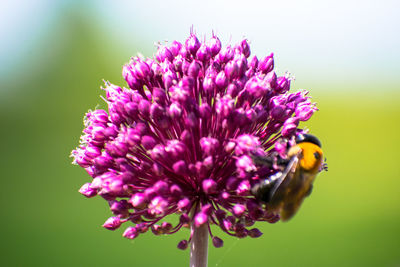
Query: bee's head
[(301, 138)]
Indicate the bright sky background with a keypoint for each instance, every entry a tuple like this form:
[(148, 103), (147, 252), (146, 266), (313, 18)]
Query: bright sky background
[(341, 41)]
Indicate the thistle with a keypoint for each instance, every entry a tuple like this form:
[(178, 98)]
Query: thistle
[(180, 139)]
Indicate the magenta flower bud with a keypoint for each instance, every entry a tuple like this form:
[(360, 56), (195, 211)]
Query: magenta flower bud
[(158, 152), (87, 191), (180, 167), (232, 183), (214, 45), (111, 131), (184, 53), (184, 204), (305, 111), (281, 148), (192, 44), (289, 129), (112, 223), (141, 70), (253, 64), (238, 210), (213, 70), (256, 89), (246, 143), (112, 91), (96, 183), (205, 111), (221, 80), (266, 64), (228, 225), (159, 95), (183, 244), (148, 142), (203, 54), (246, 164), (158, 205), (200, 219), (245, 48), (283, 85), (166, 227), (194, 69), (161, 187), (99, 116), (208, 162), (241, 62), (130, 233), (175, 110), (271, 78), (226, 54), (217, 242), (144, 108), (209, 146), (132, 109), (225, 195), (254, 233), (142, 228), (278, 112), (298, 97), (103, 162), (240, 230), (133, 137), (209, 85), (138, 200), (225, 106), (293, 120), (156, 111), (243, 188), (116, 186), (92, 152), (231, 70), (182, 138), (233, 90), (116, 149), (178, 63), (175, 190), (119, 207), (175, 48), (191, 121), (209, 186), (150, 193), (132, 82), (163, 53), (169, 78)]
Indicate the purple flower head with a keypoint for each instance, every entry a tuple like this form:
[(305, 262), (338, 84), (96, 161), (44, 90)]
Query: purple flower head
[(179, 139)]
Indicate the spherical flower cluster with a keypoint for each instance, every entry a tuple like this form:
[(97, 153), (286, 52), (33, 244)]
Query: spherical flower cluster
[(180, 139)]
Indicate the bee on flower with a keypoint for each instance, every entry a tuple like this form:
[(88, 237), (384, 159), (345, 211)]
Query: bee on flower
[(181, 137)]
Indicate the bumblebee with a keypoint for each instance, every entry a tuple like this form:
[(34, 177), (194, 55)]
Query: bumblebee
[(284, 191)]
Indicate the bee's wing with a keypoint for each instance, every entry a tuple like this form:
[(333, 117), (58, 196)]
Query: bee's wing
[(279, 190)]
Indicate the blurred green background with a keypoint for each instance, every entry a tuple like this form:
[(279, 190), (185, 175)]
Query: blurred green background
[(54, 56)]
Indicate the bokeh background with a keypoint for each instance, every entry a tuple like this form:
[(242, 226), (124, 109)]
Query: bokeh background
[(54, 55)]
